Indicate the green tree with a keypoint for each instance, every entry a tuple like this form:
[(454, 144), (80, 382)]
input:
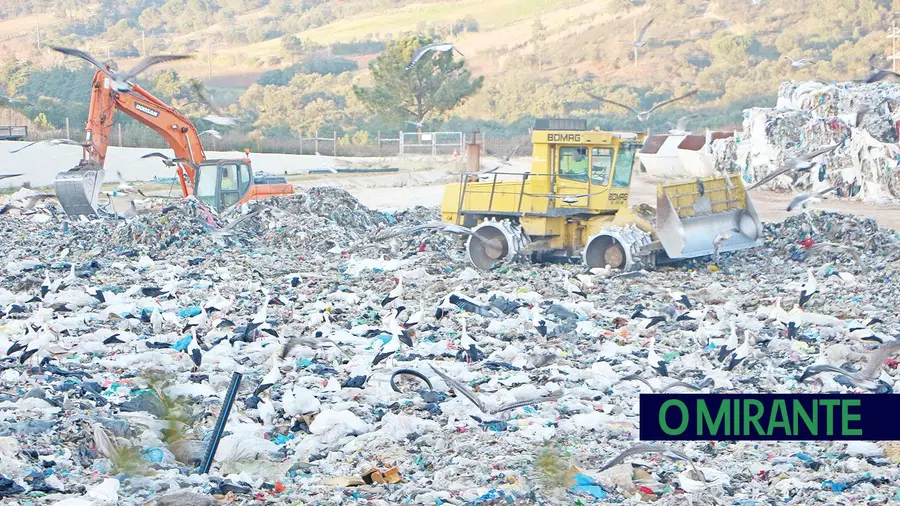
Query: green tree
[(151, 19), (435, 85), (292, 44), (42, 122)]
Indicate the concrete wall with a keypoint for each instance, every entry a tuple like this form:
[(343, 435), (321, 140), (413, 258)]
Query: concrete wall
[(40, 163)]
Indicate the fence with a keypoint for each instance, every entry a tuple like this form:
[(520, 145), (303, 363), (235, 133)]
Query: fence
[(325, 143), (431, 143)]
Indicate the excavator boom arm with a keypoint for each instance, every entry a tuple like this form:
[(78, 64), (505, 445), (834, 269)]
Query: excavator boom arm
[(77, 189), (178, 131)]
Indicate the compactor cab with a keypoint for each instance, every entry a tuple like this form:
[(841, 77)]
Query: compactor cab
[(573, 203)]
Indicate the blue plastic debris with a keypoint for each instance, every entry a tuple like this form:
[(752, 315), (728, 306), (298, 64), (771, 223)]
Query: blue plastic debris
[(281, 439), (153, 454), (586, 484), (182, 343), (802, 456), (835, 486), (491, 498), (189, 311)]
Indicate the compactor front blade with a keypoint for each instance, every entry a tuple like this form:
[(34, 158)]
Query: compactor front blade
[(691, 214)]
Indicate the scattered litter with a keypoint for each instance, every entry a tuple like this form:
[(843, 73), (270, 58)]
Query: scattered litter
[(120, 373)]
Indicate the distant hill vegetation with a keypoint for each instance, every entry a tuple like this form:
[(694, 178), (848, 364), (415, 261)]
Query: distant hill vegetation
[(538, 57)]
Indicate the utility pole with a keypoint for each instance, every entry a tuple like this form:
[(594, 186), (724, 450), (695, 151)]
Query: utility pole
[(209, 58), (893, 36), (143, 45), (634, 37), (38, 31)]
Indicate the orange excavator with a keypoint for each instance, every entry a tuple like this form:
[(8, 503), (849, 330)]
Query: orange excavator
[(219, 183)]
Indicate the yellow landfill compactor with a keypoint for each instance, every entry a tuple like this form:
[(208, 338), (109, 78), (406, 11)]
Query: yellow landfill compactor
[(573, 203)]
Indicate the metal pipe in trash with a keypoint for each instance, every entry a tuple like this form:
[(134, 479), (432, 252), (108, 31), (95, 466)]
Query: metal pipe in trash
[(220, 423)]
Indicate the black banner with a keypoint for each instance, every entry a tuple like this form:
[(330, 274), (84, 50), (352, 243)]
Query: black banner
[(769, 417)]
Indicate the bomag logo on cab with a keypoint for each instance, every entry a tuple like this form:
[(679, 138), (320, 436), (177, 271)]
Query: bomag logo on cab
[(146, 110), (618, 198), (563, 137)]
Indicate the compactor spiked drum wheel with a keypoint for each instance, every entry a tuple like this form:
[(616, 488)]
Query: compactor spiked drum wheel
[(492, 242), (616, 247)]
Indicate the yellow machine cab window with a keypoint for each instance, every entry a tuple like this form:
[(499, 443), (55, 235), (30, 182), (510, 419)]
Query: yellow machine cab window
[(573, 163), (624, 163), (601, 163)]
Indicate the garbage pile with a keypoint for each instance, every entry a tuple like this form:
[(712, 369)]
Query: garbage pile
[(393, 373), (862, 119)]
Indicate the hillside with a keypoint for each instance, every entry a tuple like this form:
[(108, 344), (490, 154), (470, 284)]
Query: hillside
[(537, 56)]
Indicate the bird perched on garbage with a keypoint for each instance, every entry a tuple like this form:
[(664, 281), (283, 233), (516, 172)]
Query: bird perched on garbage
[(193, 349), (729, 345), (48, 286), (570, 287), (680, 298), (438, 47), (740, 354), (644, 115), (272, 377), (156, 320), (793, 322), (394, 327), (463, 303), (539, 324), (198, 321), (469, 346), (260, 319), (395, 293), (389, 348), (652, 318), (860, 331), (656, 362), (802, 62), (119, 81), (416, 318), (809, 288)]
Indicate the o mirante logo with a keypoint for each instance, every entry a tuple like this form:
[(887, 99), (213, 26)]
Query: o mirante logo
[(747, 417)]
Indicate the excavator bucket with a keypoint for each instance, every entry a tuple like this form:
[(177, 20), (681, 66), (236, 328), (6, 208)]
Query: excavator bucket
[(77, 190), (690, 215)]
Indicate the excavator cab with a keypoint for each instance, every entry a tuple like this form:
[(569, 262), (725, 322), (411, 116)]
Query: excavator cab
[(223, 183)]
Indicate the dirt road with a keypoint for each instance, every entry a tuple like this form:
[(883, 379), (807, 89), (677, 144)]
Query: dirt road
[(420, 183)]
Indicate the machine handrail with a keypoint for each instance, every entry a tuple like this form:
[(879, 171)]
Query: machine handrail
[(464, 181)]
